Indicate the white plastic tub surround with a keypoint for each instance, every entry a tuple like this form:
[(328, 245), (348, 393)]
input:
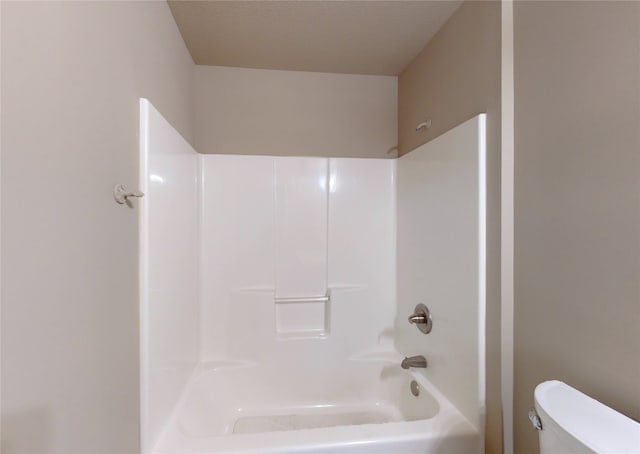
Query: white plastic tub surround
[(294, 313)]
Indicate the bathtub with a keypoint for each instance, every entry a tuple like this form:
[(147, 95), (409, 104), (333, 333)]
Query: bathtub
[(351, 406)]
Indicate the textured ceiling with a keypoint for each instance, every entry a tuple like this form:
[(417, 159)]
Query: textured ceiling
[(339, 36)]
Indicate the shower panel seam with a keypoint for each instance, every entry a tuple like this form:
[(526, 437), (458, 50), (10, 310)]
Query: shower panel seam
[(200, 214), (327, 308), (275, 224), (482, 270)]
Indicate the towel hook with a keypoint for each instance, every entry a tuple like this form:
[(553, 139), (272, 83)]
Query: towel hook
[(121, 194), (424, 125)]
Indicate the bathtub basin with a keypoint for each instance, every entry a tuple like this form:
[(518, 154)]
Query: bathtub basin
[(355, 406)]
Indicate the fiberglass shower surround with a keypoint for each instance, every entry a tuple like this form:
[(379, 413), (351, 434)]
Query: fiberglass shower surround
[(271, 319)]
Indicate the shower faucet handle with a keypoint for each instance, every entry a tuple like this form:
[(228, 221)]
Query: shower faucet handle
[(421, 317)]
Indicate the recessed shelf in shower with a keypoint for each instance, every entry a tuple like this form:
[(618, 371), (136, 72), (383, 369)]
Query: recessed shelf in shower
[(302, 317)]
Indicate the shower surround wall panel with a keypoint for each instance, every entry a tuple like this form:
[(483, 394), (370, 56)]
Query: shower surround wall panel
[(301, 226), (441, 261), (301, 245), (237, 246), (362, 253), (295, 228), (169, 308)]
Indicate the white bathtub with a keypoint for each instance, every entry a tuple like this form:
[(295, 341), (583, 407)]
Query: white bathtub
[(354, 406)]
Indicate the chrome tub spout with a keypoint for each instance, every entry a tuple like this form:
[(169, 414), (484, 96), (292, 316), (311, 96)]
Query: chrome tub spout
[(414, 361)]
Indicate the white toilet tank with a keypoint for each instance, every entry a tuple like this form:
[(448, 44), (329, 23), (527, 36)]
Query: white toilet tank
[(573, 422)]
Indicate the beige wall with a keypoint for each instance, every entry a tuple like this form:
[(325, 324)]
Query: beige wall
[(455, 77), (71, 77), (577, 203), (267, 112)]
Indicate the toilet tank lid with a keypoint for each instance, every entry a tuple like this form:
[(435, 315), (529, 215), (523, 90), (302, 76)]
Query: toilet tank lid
[(592, 423)]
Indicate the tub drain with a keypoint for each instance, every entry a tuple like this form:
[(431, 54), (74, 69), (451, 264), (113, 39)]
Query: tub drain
[(415, 388)]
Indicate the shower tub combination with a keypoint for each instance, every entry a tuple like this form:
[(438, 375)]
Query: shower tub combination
[(272, 320)]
